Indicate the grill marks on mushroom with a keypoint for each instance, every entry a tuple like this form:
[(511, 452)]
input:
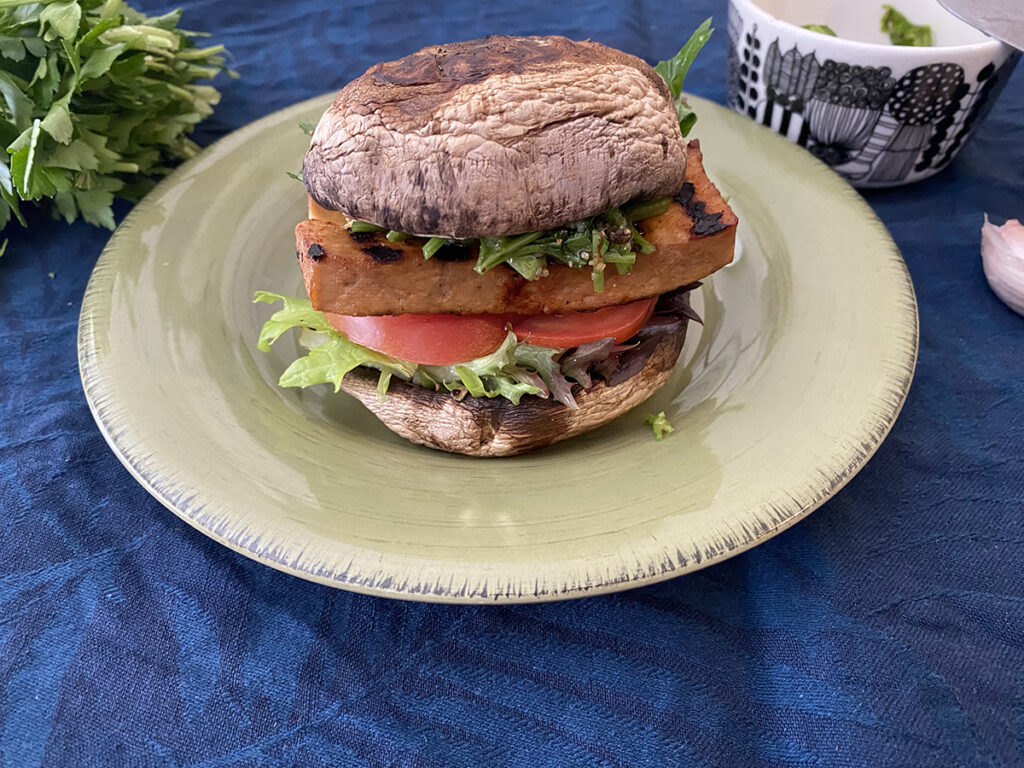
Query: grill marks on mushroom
[(546, 129)]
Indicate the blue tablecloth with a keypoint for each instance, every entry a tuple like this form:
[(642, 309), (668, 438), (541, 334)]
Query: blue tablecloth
[(886, 630)]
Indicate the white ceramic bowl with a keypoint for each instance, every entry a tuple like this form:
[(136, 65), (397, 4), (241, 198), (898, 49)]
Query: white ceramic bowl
[(880, 114)]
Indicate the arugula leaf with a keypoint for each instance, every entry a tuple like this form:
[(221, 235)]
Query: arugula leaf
[(432, 246), (822, 29), (96, 99), (902, 31), (673, 71), (659, 425)]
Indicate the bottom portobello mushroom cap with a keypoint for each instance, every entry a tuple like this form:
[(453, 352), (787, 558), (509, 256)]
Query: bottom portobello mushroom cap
[(480, 426)]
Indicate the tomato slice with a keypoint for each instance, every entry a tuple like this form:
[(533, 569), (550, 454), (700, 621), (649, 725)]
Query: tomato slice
[(445, 339), (428, 339), (574, 328)]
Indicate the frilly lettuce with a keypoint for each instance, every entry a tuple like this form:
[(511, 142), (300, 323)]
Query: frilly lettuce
[(330, 360), (499, 374), (511, 371)]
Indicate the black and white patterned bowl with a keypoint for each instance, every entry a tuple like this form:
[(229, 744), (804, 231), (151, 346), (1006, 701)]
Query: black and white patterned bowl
[(880, 115)]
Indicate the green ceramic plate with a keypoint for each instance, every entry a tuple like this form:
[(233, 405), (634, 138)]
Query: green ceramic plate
[(803, 364)]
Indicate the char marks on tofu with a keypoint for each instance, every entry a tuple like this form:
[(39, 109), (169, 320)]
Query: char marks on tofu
[(454, 252), (315, 251), (704, 222), (383, 254)]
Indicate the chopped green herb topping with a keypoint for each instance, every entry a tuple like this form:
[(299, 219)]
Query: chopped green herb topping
[(608, 238)]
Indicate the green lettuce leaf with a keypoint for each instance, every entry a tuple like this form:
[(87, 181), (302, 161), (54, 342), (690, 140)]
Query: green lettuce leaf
[(330, 360), (503, 373), (297, 313)]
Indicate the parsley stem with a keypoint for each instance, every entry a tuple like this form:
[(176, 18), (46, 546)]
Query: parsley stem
[(495, 250), (645, 246), (364, 226), (647, 209), (433, 245)]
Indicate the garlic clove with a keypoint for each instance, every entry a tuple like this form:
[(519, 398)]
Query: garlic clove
[(1002, 257)]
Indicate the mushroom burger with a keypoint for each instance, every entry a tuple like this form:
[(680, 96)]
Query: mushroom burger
[(501, 241)]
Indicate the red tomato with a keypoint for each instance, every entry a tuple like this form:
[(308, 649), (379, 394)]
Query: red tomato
[(445, 339), (428, 339), (569, 330)]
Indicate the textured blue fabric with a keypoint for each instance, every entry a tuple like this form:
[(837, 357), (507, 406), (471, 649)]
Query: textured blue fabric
[(886, 630)]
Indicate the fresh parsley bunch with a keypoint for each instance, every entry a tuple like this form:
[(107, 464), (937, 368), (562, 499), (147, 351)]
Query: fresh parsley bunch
[(97, 98)]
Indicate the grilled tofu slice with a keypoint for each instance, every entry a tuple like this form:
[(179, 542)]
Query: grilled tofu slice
[(365, 274)]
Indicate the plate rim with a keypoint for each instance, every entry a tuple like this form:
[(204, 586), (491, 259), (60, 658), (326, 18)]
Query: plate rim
[(872, 430)]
